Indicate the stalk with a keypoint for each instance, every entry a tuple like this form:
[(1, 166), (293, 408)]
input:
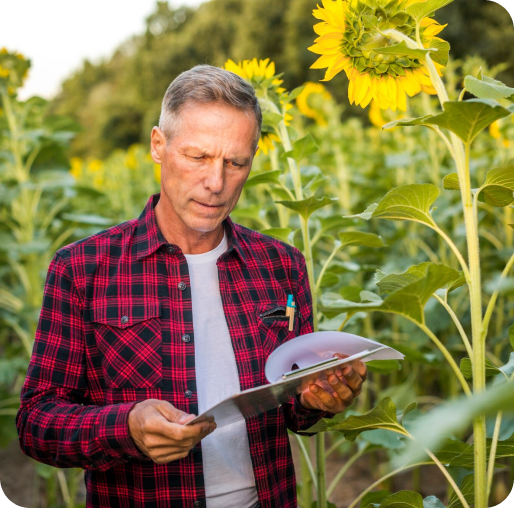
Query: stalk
[(471, 223), (295, 174)]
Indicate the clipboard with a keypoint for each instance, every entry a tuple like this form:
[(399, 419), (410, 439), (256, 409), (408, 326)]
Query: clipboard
[(313, 353)]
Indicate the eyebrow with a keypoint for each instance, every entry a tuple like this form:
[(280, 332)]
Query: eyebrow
[(245, 161)]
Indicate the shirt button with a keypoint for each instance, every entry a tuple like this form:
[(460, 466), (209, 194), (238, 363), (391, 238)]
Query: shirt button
[(170, 249), (188, 394), (197, 504), (186, 337), (124, 320), (182, 286), (193, 450)]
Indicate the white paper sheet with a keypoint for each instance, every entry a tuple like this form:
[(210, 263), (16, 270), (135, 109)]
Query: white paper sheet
[(303, 351)]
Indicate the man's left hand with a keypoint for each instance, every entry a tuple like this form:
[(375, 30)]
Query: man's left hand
[(337, 391)]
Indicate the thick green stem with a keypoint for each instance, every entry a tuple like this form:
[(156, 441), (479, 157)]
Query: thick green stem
[(295, 174), (474, 282)]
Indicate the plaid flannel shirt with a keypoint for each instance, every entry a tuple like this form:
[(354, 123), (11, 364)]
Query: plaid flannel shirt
[(116, 328)]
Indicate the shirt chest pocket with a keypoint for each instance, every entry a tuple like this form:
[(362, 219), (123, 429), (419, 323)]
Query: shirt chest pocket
[(274, 325), (129, 339)]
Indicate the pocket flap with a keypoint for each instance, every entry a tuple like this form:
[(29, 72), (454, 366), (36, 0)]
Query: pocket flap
[(113, 312)]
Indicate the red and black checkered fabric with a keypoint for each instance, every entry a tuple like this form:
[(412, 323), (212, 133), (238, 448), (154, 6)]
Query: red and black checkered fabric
[(116, 306)]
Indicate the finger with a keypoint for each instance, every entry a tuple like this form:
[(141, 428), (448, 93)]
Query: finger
[(171, 413), (353, 380), (343, 392), (360, 368), (327, 399)]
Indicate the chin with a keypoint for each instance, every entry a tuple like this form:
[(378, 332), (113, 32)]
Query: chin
[(204, 226)]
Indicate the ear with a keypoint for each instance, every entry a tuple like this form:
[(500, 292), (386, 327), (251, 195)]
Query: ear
[(157, 145)]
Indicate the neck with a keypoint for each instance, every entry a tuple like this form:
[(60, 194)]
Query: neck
[(177, 233)]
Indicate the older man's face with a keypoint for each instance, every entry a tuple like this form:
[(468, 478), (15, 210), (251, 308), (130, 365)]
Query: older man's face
[(206, 164)]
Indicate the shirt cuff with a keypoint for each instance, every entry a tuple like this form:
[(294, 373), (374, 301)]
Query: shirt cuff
[(115, 434)]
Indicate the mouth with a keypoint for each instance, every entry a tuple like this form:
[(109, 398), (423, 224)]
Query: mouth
[(205, 205)]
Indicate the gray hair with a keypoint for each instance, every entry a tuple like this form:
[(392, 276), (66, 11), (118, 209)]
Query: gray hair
[(207, 84)]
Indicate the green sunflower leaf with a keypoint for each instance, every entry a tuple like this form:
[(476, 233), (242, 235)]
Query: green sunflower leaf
[(407, 122), (467, 370), (382, 416), (269, 177), (488, 88), (366, 214), (432, 502), (423, 9), (451, 182), (443, 51), (410, 407), (389, 283), (454, 417), (374, 497), (457, 283), (409, 202), (402, 49), (278, 233), (293, 94), (408, 299), (467, 457), (468, 118), (403, 499), (302, 148), (350, 238), (498, 189), (511, 336), (306, 207), (467, 487), (271, 119)]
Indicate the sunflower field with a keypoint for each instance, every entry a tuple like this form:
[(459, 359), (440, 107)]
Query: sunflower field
[(405, 218)]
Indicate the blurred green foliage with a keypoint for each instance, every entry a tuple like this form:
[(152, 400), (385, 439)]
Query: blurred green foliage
[(118, 100)]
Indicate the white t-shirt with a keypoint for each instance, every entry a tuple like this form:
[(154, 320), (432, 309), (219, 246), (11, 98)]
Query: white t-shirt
[(227, 465)]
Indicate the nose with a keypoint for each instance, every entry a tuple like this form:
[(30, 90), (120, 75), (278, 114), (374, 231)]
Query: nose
[(215, 177)]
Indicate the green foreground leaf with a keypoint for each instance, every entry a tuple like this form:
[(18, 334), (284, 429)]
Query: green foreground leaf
[(488, 88), (307, 207), (453, 417), (467, 487), (467, 370), (403, 499), (268, 177), (409, 202), (468, 118), (382, 416), (498, 188), (423, 9), (409, 293), (352, 238)]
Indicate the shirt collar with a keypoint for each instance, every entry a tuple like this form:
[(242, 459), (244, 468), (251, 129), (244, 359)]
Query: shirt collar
[(148, 236)]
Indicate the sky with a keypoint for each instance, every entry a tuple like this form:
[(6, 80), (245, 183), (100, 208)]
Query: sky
[(57, 35)]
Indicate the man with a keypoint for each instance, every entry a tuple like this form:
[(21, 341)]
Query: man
[(154, 320)]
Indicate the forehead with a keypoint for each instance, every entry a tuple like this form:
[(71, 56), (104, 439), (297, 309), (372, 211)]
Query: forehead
[(216, 122)]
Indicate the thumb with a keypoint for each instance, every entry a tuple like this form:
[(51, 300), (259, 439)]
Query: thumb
[(173, 414)]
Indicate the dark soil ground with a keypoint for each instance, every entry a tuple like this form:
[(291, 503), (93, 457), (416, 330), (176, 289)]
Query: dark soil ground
[(22, 486)]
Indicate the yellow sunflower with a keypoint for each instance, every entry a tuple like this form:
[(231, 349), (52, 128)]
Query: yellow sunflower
[(259, 74), (311, 100), (351, 32), (14, 69)]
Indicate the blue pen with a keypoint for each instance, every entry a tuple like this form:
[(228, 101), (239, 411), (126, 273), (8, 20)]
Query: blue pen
[(290, 311)]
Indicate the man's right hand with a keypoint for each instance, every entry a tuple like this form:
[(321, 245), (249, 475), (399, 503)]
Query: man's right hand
[(158, 430)]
